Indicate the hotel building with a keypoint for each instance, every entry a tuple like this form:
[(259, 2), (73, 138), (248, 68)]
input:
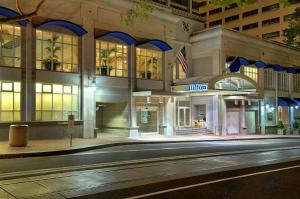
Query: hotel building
[(77, 58)]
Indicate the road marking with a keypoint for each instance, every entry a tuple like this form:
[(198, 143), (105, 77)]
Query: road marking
[(209, 145), (20, 174), (213, 182)]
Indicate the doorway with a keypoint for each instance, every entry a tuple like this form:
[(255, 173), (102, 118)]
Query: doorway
[(183, 115), (233, 122)]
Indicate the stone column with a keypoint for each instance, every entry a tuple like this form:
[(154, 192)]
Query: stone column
[(28, 85), (222, 121), (133, 129), (87, 77), (243, 117)]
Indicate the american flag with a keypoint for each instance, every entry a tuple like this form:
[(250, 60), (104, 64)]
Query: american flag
[(182, 59)]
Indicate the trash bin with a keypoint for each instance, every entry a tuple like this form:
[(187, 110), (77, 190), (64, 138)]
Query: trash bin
[(18, 135), (95, 132)]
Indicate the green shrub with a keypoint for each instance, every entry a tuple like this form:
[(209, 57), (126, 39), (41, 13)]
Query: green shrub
[(295, 125), (280, 125)]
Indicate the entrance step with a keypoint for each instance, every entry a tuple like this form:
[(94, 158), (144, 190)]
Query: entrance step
[(189, 131)]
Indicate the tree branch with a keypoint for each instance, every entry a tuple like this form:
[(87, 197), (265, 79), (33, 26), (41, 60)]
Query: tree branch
[(22, 16), (19, 7)]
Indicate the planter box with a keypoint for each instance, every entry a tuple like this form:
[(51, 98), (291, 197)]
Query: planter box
[(280, 131)]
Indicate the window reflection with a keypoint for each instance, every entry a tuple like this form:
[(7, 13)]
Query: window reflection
[(149, 64), (10, 45), (111, 59)]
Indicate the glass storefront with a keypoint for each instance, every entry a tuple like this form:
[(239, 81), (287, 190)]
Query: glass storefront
[(56, 101), (10, 97)]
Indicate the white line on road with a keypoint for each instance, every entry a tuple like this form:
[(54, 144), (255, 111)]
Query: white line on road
[(213, 182)]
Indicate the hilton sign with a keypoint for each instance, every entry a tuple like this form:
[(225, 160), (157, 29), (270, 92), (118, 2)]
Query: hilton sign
[(198, 87)]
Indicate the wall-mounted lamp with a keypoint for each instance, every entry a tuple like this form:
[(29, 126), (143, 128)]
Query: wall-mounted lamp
[(92, 81), (236, 102), (148, 100), (249, 102)]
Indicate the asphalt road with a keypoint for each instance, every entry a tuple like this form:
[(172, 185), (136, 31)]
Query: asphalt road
[(134, 152)]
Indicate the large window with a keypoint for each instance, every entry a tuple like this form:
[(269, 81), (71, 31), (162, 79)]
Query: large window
[(177, 68), (56, 101), (149, 64), (10, 101), (270, 79), (56, 51), (283, 81), (10, 49), (251, 71), (111, 59)]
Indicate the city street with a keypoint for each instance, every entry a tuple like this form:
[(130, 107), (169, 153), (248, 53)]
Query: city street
[(155, 169)]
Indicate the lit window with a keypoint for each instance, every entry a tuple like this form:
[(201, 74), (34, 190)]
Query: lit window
[(10, 101), (56, 102), (10, 45), (149, 64), (56, 51), (251, 72), (111, 59)]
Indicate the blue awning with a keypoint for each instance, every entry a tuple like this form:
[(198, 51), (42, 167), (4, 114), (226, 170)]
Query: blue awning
[(128, 39), (260, 64), (237, 63), (297, 101), (78, 30), (277, 67), (6, 12), (291, 70), (285, 101), (163, 46)]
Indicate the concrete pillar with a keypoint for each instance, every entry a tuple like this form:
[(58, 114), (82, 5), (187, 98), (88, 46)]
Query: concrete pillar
[(88, 76), (216, 127), (28, 85), (133, 128), (161, 115), (222, 116), (170, 116), (243, 117)]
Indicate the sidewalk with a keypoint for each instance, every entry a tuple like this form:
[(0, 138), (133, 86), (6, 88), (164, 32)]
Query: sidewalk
[(60, 147)]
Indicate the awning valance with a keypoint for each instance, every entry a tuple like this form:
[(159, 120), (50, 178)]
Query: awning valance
[(78, 30), (238, 62), (128, 39), (6, 12), (163, 46), (285, 101)]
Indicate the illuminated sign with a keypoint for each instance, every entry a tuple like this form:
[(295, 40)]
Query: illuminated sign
[(198, 87)]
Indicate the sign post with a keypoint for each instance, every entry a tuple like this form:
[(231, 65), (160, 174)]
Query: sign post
[(71, 119)]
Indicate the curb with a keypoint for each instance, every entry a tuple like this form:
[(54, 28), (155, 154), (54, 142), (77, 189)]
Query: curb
[(101, 146)]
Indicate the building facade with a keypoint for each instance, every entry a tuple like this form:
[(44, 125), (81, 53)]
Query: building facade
[(265, 19), (78, 59)]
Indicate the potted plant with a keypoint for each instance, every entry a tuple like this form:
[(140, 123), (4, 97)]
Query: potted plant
[(52, 49), (280, 128), (105, 55), (148, 74), (295, 127)]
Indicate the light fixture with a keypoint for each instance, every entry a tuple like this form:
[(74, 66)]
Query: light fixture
[(148, 100), (161, 100), (236, 102), (92, 81), (249, 102), (296, 107), (267, 106)]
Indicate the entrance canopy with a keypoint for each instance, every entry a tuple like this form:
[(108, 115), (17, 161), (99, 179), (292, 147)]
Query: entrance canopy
[(226, 84), (285, 101), (128, 39)]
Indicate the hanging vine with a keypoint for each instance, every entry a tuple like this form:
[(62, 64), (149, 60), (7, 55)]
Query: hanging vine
[(140, 11)]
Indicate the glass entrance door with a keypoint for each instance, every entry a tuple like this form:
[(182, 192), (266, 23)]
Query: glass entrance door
[(183, 115)]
